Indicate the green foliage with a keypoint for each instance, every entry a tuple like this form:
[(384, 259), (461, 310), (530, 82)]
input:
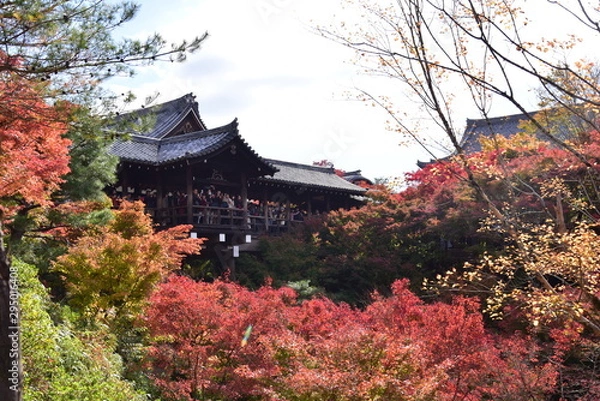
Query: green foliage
[(92, 168), (61, 363), (304, 289), (47, 37), (281, 259), (60, 50), (351, 253)]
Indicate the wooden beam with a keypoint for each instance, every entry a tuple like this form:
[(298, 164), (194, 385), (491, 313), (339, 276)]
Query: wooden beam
[(160, 193), (125, 182), (266, 209), (244, 195), (189, 180)]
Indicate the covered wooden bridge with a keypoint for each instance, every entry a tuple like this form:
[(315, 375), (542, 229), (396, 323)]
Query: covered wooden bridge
[(213, 179)]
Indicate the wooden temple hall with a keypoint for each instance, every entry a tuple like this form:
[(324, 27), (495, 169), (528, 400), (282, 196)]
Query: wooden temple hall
[(211, 178)]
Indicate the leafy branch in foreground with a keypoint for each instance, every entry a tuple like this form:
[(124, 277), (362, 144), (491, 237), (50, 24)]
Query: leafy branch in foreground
[(41, 38)]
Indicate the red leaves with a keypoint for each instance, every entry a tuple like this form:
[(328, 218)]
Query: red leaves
[(197, 330), (33, 152), (397, 348)]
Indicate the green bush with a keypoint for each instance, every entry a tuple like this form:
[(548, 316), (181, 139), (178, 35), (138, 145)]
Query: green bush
[(60, 362)]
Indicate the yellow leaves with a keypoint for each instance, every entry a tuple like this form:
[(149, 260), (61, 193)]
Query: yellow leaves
[(584, 65), (570, 258), (552, 276)]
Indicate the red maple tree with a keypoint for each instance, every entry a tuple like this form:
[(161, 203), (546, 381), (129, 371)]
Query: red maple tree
[(397, 348), (34, 154), (33, 159)]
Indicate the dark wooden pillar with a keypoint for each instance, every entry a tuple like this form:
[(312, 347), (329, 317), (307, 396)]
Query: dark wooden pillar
[(244, 195), (160, 193), (125, 181), (189, 180), (266, 209)]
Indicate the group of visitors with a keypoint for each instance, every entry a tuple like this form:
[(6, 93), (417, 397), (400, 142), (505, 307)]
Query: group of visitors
[(212, 206), (217, 207)]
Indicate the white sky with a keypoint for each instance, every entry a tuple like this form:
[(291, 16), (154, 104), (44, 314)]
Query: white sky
[(286, 85)]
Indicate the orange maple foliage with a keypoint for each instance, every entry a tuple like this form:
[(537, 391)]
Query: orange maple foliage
[(110, 271), (34, 154)]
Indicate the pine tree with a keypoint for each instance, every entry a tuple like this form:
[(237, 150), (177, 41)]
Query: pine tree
[(52, 51)]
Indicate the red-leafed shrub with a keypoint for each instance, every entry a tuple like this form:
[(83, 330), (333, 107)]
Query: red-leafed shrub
[(398, 348)]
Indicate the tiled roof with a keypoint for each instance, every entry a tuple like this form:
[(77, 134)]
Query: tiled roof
[(155, 146), (153, 151), (354, 176), (310, 177), (507, 126), (487, 127), (165, 116)]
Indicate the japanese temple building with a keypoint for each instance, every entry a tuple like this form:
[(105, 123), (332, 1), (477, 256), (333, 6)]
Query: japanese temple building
[(476, 129), (510, 125), (176, 165)]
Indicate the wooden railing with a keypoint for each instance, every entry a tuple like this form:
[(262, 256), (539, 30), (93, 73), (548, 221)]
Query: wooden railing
[(220, 218)]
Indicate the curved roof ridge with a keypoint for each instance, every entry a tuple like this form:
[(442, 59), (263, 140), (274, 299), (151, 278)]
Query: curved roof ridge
[(304, 175), (188, 98), (187, 136), (302, 165), (502, 118), (229, 128), (168, 115)]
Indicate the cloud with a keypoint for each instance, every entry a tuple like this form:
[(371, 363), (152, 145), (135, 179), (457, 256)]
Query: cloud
[(264, 65)]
